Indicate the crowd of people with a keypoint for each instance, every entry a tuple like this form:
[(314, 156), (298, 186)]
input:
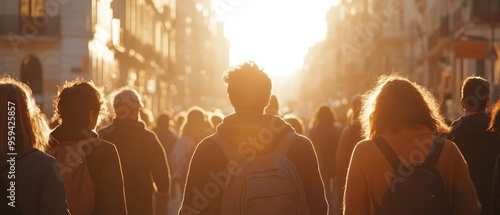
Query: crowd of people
[(252, 161)]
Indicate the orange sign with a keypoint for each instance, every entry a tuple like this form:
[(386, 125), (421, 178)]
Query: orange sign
[(471, 49)]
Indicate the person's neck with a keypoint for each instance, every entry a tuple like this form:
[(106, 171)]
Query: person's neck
[(249, 111), (129, 118)]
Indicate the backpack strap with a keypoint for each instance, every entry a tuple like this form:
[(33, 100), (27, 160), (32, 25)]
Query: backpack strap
[(285, 143), (230, 152), (389, 154), (435, 151)]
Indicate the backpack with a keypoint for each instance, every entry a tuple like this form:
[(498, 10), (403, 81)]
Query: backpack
[(421, 192), (80, 189), (4, 185), (268, 184)]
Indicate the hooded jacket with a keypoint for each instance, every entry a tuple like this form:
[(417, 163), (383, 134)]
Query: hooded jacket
[(480, 149), (247, 129), (104, 168)]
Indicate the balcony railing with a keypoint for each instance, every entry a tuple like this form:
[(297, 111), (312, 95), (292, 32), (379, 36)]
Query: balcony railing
[(31, 26)]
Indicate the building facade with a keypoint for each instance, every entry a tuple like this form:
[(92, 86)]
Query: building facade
[(114, 43)]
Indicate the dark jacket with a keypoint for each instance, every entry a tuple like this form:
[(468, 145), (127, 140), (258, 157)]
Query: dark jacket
[(143, 162), (348, 140), (480, 149), (325, 139), (104, 168), (236, 129), (39, 189), (167, 138), (495, 191)]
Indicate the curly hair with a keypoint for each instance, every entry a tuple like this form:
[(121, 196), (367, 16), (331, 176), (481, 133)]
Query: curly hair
[(30, 128), (248, 87), (76, 99), (395, 103)]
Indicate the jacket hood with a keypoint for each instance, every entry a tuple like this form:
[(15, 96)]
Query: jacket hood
[(243, 126), (476, 124)]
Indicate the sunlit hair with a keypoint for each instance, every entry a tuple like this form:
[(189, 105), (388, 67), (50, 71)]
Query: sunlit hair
[(475, 93), (323, 116), (30, 128), (76, 99), (495, 118), (248, 87), (124, 100), (216, 119), (196, 125), (396, 103)]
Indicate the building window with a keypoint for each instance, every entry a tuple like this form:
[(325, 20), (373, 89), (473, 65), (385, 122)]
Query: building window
[(32, 8)]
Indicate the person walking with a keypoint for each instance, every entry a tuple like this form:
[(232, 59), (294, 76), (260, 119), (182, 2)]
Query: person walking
[(402, 117)]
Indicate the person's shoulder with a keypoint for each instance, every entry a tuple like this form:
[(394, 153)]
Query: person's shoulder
[(38, 156), (206, 144), (365, 147), (101, 146)]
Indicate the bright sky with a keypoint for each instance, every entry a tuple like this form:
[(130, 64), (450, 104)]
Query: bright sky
[(276, 34)]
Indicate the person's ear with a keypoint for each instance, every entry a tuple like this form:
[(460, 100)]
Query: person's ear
[(487, 103), (92, 119)]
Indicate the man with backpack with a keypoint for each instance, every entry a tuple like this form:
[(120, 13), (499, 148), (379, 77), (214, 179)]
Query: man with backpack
[(479, 147), (90, 167), (255, 163)]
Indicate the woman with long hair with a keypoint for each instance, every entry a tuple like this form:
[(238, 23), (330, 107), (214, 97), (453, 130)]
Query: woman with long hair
[(406, 117), (32, 177)]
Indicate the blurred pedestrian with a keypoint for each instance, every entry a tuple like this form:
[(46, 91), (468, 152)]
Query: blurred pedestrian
[(325, 134), (296, 123), (351, 135), (145, 168), (80, 104)]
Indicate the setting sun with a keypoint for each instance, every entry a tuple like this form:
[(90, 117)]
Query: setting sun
[(275, 34)]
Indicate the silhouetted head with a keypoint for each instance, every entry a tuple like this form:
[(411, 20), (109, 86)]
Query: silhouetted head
[(296, 123), (147, 117), (80, 103), (21, 117), (196, 124), (248, 87), (396, 103), (164, 120), (179, 119), (127, 103), (475, 94), (273, 107), (355, 107), (215, 120), (323, 116)]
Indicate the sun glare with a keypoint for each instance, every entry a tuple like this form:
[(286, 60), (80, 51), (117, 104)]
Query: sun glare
[(275, 34)]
